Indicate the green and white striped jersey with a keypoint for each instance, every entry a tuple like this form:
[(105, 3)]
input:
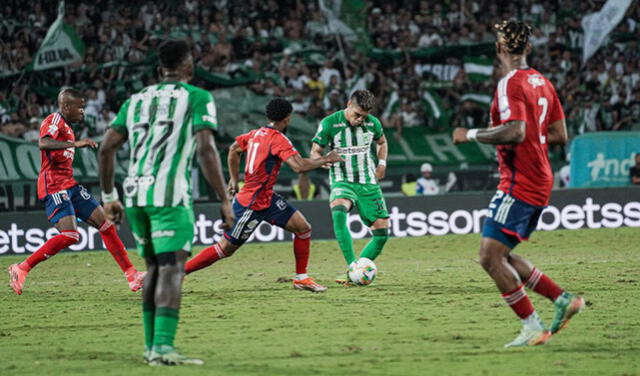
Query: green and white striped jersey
[(353, 143), (160, 122)]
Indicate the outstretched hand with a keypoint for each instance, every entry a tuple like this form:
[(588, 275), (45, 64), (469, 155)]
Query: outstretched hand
[(460, 135), (85, 142), (333, 157), (114, 211)]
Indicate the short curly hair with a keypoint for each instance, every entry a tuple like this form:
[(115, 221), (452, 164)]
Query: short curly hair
[(278, 109), (173, 52), (364, 99), (515, 35)]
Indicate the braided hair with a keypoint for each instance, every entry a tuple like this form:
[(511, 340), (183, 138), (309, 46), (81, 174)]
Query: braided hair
[(515, 35)]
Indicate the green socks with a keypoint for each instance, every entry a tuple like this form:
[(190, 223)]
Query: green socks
[(165, 326), (343, 235), (375, 245), (148, 318)]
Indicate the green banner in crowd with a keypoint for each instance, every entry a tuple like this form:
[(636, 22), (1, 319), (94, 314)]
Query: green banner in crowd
[(20, 161)]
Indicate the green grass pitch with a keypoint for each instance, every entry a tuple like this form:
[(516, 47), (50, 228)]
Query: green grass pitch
[(431, 311)]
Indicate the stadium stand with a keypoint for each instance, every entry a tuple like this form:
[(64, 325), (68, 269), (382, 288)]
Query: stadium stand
[(430, 64)]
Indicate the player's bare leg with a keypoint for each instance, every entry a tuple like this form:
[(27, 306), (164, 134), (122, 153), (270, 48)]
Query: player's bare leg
[(167, 297), (116, 248), (68, 236), (301, 228), (566, 304), (494, 260)]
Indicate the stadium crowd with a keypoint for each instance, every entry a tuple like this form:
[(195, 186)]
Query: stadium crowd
[(256, 43)]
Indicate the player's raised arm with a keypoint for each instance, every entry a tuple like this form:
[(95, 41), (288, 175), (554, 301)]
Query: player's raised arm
[(512, 132), (211, 167), (299, 164)]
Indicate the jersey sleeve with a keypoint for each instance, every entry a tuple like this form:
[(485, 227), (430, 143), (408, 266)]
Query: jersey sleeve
[(283, 148), (555, 112), (243, 141), (204, 111), (322, 134), (119, 124), (511, 101), (377, 128), (49, 127)]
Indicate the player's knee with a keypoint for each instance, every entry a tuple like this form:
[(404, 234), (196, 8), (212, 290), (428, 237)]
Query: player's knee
[(71, 237), (488, 260), (304, 233)]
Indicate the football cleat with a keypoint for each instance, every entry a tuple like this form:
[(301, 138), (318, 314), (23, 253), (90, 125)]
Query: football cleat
[(17, 277), (344, 280), (171, 358), (567, 305), (308, 284), (135, 280), (530, 337)]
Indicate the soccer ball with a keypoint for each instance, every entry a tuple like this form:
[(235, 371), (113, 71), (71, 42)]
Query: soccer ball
[(362, 272)]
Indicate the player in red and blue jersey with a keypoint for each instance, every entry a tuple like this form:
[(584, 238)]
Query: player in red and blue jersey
[(64, 198), (266, 149), (526, 117)]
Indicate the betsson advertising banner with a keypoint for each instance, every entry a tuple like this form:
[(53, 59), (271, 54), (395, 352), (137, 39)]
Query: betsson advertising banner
[(25, 232)]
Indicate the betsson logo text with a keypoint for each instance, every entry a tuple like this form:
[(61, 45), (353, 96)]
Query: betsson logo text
[(15, 239)]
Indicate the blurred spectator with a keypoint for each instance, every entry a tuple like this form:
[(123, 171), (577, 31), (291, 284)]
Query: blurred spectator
[(409, 185), (304, 189), (33, 132), (426, 185)]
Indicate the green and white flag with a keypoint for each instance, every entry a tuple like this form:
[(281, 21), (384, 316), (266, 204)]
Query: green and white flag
[(61, 46), (483, 100), (392, 105), (432, 104), (478, 68)]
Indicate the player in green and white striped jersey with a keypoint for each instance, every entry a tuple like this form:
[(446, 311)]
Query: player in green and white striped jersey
[(164, 125), (351, 132)]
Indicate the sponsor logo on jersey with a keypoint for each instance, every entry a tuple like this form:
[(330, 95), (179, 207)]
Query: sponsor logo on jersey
[(69, 153), (163, 233), (52, 129), (535, 80), (353, 150), (340, 125), (131, 184)]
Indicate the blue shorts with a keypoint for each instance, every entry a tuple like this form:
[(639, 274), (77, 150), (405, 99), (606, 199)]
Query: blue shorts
[(75, 201), (247, 220), (510, 220)]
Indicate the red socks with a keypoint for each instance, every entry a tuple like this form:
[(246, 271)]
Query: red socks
[(205, 258), (114, 245), (50, 248), (543, 285), (301, 246), (519, 302)]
